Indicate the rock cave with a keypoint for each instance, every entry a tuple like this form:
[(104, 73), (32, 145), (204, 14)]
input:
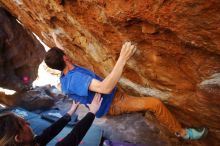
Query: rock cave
[(178, 57)]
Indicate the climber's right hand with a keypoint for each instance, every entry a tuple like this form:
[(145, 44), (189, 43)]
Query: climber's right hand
[(128, 49)]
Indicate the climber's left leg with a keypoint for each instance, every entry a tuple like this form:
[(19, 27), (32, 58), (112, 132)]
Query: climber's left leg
[(123, 103)]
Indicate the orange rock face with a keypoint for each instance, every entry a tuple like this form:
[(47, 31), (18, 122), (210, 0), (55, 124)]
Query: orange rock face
[(178, 56)]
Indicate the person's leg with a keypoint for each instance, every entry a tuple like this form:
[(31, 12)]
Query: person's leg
[(124, 103)]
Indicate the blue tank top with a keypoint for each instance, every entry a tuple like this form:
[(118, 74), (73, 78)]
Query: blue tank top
[(76, 83)]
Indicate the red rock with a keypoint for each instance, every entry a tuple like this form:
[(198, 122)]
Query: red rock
[(180, 63)]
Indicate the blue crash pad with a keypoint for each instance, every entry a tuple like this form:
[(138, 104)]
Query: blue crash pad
[(36, 123), (92, 138), (119, 143), (54, 114)]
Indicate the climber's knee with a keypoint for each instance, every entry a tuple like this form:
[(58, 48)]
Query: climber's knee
[(156, 103), (153, 104)]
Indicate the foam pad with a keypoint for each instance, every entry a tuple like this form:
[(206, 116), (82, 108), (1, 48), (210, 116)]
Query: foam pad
[(119, 143), (54, 115), (92, 138), (36, 123)]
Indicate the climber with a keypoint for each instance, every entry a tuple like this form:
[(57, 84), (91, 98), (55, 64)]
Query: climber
[(81, 84), (15, 131)]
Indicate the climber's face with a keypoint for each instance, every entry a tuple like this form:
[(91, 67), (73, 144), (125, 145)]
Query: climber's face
[(67, 59)]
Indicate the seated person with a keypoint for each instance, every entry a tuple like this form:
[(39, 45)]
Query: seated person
[(81, 84), (15, 131)]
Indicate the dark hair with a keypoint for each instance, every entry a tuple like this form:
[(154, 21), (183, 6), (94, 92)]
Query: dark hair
[(54, 59), (10, 126)]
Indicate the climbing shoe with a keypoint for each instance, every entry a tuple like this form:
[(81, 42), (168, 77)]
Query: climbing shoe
[(195, 133)]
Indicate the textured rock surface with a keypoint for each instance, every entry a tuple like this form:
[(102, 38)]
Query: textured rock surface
[(20, 53), (178, 59), (33, 99)]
